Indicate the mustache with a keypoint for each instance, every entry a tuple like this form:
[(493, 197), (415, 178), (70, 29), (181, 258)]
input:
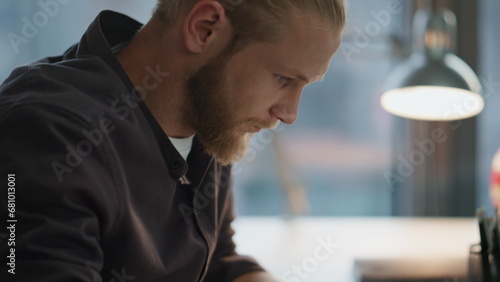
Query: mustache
[(270, 125)]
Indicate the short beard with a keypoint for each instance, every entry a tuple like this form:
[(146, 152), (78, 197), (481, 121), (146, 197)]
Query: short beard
[(214, 116)]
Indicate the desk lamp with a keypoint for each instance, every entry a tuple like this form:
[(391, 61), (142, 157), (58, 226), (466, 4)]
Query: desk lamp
[(429, 90), (433, 84)]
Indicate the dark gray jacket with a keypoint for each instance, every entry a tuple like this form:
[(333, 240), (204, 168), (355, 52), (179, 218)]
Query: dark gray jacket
[(98, 194)]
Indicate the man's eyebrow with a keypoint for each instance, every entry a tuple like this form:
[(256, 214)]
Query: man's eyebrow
[(303, 78), (295, 73)]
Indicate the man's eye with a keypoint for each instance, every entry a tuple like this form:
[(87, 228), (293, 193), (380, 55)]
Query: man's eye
[(283, 79)]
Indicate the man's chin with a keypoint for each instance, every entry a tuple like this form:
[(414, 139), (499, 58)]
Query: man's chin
[(231, 150)]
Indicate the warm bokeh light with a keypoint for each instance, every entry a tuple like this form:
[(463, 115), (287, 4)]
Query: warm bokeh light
[(432, 103)]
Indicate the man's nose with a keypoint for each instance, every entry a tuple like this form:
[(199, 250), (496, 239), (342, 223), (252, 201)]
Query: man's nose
[(288, 109)]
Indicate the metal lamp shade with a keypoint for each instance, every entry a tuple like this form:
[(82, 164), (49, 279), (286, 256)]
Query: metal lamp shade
[(433, 89)]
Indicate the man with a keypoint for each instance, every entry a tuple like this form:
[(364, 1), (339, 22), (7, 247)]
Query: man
[(118, 153)]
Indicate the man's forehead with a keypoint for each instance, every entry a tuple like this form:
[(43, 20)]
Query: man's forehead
[(307, 61)]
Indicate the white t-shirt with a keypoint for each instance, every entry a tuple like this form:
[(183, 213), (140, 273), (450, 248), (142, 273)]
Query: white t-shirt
[(183, 145)]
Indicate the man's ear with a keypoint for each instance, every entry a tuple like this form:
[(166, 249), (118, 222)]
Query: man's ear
[(202, 25)]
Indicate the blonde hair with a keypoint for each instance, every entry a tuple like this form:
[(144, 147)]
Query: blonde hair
[(259, 20)]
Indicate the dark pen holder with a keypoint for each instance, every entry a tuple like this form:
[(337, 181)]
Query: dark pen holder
[(478, 272), (484, 257)]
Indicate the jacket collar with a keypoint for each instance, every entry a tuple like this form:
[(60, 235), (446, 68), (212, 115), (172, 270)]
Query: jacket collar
[(110, 29)]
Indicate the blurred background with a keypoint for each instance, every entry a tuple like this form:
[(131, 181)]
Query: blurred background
[(336, 159)]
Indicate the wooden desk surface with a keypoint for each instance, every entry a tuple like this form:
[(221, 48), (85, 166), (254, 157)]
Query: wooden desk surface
[(326, 248)]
